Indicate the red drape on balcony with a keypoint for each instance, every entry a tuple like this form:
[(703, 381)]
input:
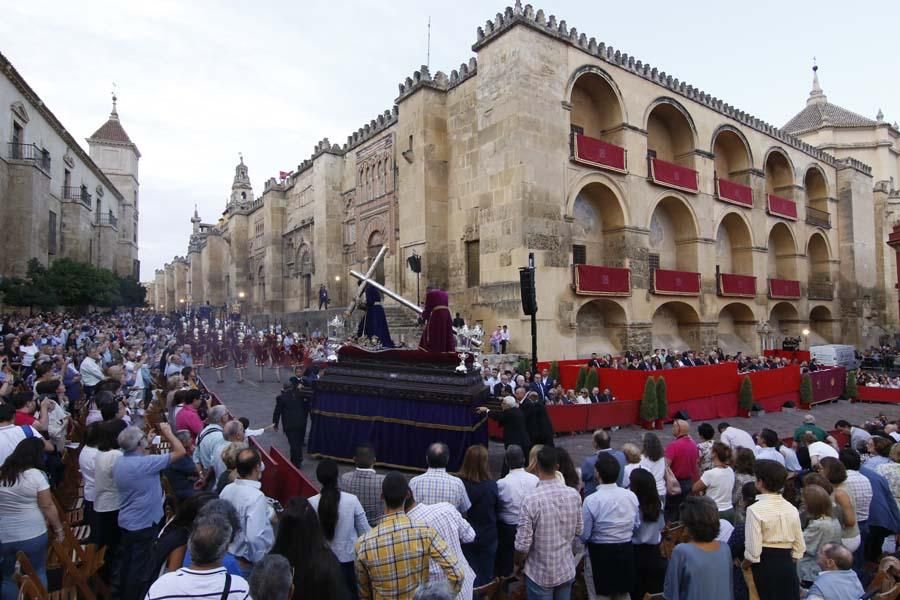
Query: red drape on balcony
[(735, 193), (672, 175), (677, 283), (595, 280), (743, 286), (787, 289), (782, 207), (598, 153)]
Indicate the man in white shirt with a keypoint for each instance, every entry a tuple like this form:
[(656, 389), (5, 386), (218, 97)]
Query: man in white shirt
[(504, 340), (206, 577), (256, 536), (735, 438), (90, 370), (11, 434), (454, 530), (819, 450), (517, 484), (768, 446)]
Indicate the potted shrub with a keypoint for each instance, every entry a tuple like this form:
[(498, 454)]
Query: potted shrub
[(662, 403), (745, 397), (851, 390), (789, 406), (649, 406), (554, 371), (582, 377), (806, 390), (592, 379)]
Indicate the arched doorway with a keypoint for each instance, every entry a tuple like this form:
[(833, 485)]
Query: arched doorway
[(779, 175), (600, 328), (817, 212), (596, 111), (376, 241), (819, 268), (732, 157), (676, 326), (598, 223), (734, 246), (784, 321), (736, 331), (821, 326), (673, 236), (670, 136), (782, 253)]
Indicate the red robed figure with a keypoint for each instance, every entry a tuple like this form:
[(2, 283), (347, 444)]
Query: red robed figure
[(438, 333)]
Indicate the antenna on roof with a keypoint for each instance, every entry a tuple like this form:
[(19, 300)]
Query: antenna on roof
[(428, 46)]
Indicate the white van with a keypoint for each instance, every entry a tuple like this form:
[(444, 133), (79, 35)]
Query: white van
[(835, 355)]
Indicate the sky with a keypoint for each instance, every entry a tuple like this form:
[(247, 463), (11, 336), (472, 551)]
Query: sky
[(201, 81)]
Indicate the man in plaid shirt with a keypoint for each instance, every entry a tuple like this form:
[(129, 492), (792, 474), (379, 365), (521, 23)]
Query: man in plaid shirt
[(549, 522), (454, 530), (364, 483), (392, 559), (436, 485)]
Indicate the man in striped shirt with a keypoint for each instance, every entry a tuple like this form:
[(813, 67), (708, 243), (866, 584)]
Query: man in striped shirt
[(206, 577), (549, 522), (436, 485), (454, 530), (392, 559)]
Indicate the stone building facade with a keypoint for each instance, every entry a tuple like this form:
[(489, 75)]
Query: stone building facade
[(690, 223), (58, 200)]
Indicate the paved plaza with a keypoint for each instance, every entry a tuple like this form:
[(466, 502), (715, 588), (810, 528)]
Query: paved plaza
[(256, 401)]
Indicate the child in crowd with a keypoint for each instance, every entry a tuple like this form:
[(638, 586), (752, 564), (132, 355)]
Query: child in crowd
[(632, 460), (707, 434)]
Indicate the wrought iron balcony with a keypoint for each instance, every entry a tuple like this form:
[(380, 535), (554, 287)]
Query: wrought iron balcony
[(820, 290), (819, 218), (77, 194), (31, 153), (108, 219)]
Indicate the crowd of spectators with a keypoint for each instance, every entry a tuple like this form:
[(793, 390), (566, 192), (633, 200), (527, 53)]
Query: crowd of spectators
[(109, 407)]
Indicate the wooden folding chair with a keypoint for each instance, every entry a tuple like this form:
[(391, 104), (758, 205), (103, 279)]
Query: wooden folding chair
[(672, 535), (74, 519), (31, 589), (80, 565), (488, 591)]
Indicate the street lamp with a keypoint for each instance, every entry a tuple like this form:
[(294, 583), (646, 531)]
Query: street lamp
[(806, 337), (241, 295)]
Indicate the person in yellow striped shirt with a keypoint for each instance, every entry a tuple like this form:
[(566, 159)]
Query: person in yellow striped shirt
[(774, 538)]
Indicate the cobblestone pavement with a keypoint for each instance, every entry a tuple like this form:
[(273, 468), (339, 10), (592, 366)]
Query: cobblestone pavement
[(256, 401)]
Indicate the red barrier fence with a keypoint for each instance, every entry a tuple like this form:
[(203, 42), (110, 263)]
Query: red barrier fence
[(877, 394), (707, 392), (281, 480)]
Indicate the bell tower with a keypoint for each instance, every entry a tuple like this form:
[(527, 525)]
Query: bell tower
[(241, 190)]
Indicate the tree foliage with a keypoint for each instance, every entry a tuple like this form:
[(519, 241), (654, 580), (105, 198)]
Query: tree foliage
[(71, 284), (554, 371), (649, 405), (592, 379)]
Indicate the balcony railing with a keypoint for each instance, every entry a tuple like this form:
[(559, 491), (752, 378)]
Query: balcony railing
[(819, 218), (108, 219), (77, 194), (31, 153), (598, 153), (820, 290)]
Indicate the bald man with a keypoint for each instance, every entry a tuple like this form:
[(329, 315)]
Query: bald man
[(836, 580), (681, 457)]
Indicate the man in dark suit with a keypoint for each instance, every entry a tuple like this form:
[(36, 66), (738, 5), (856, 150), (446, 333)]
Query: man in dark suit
[(512, 420), (502, 388), (606, 396), (546, 382), (594, 362), (537, 421)]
